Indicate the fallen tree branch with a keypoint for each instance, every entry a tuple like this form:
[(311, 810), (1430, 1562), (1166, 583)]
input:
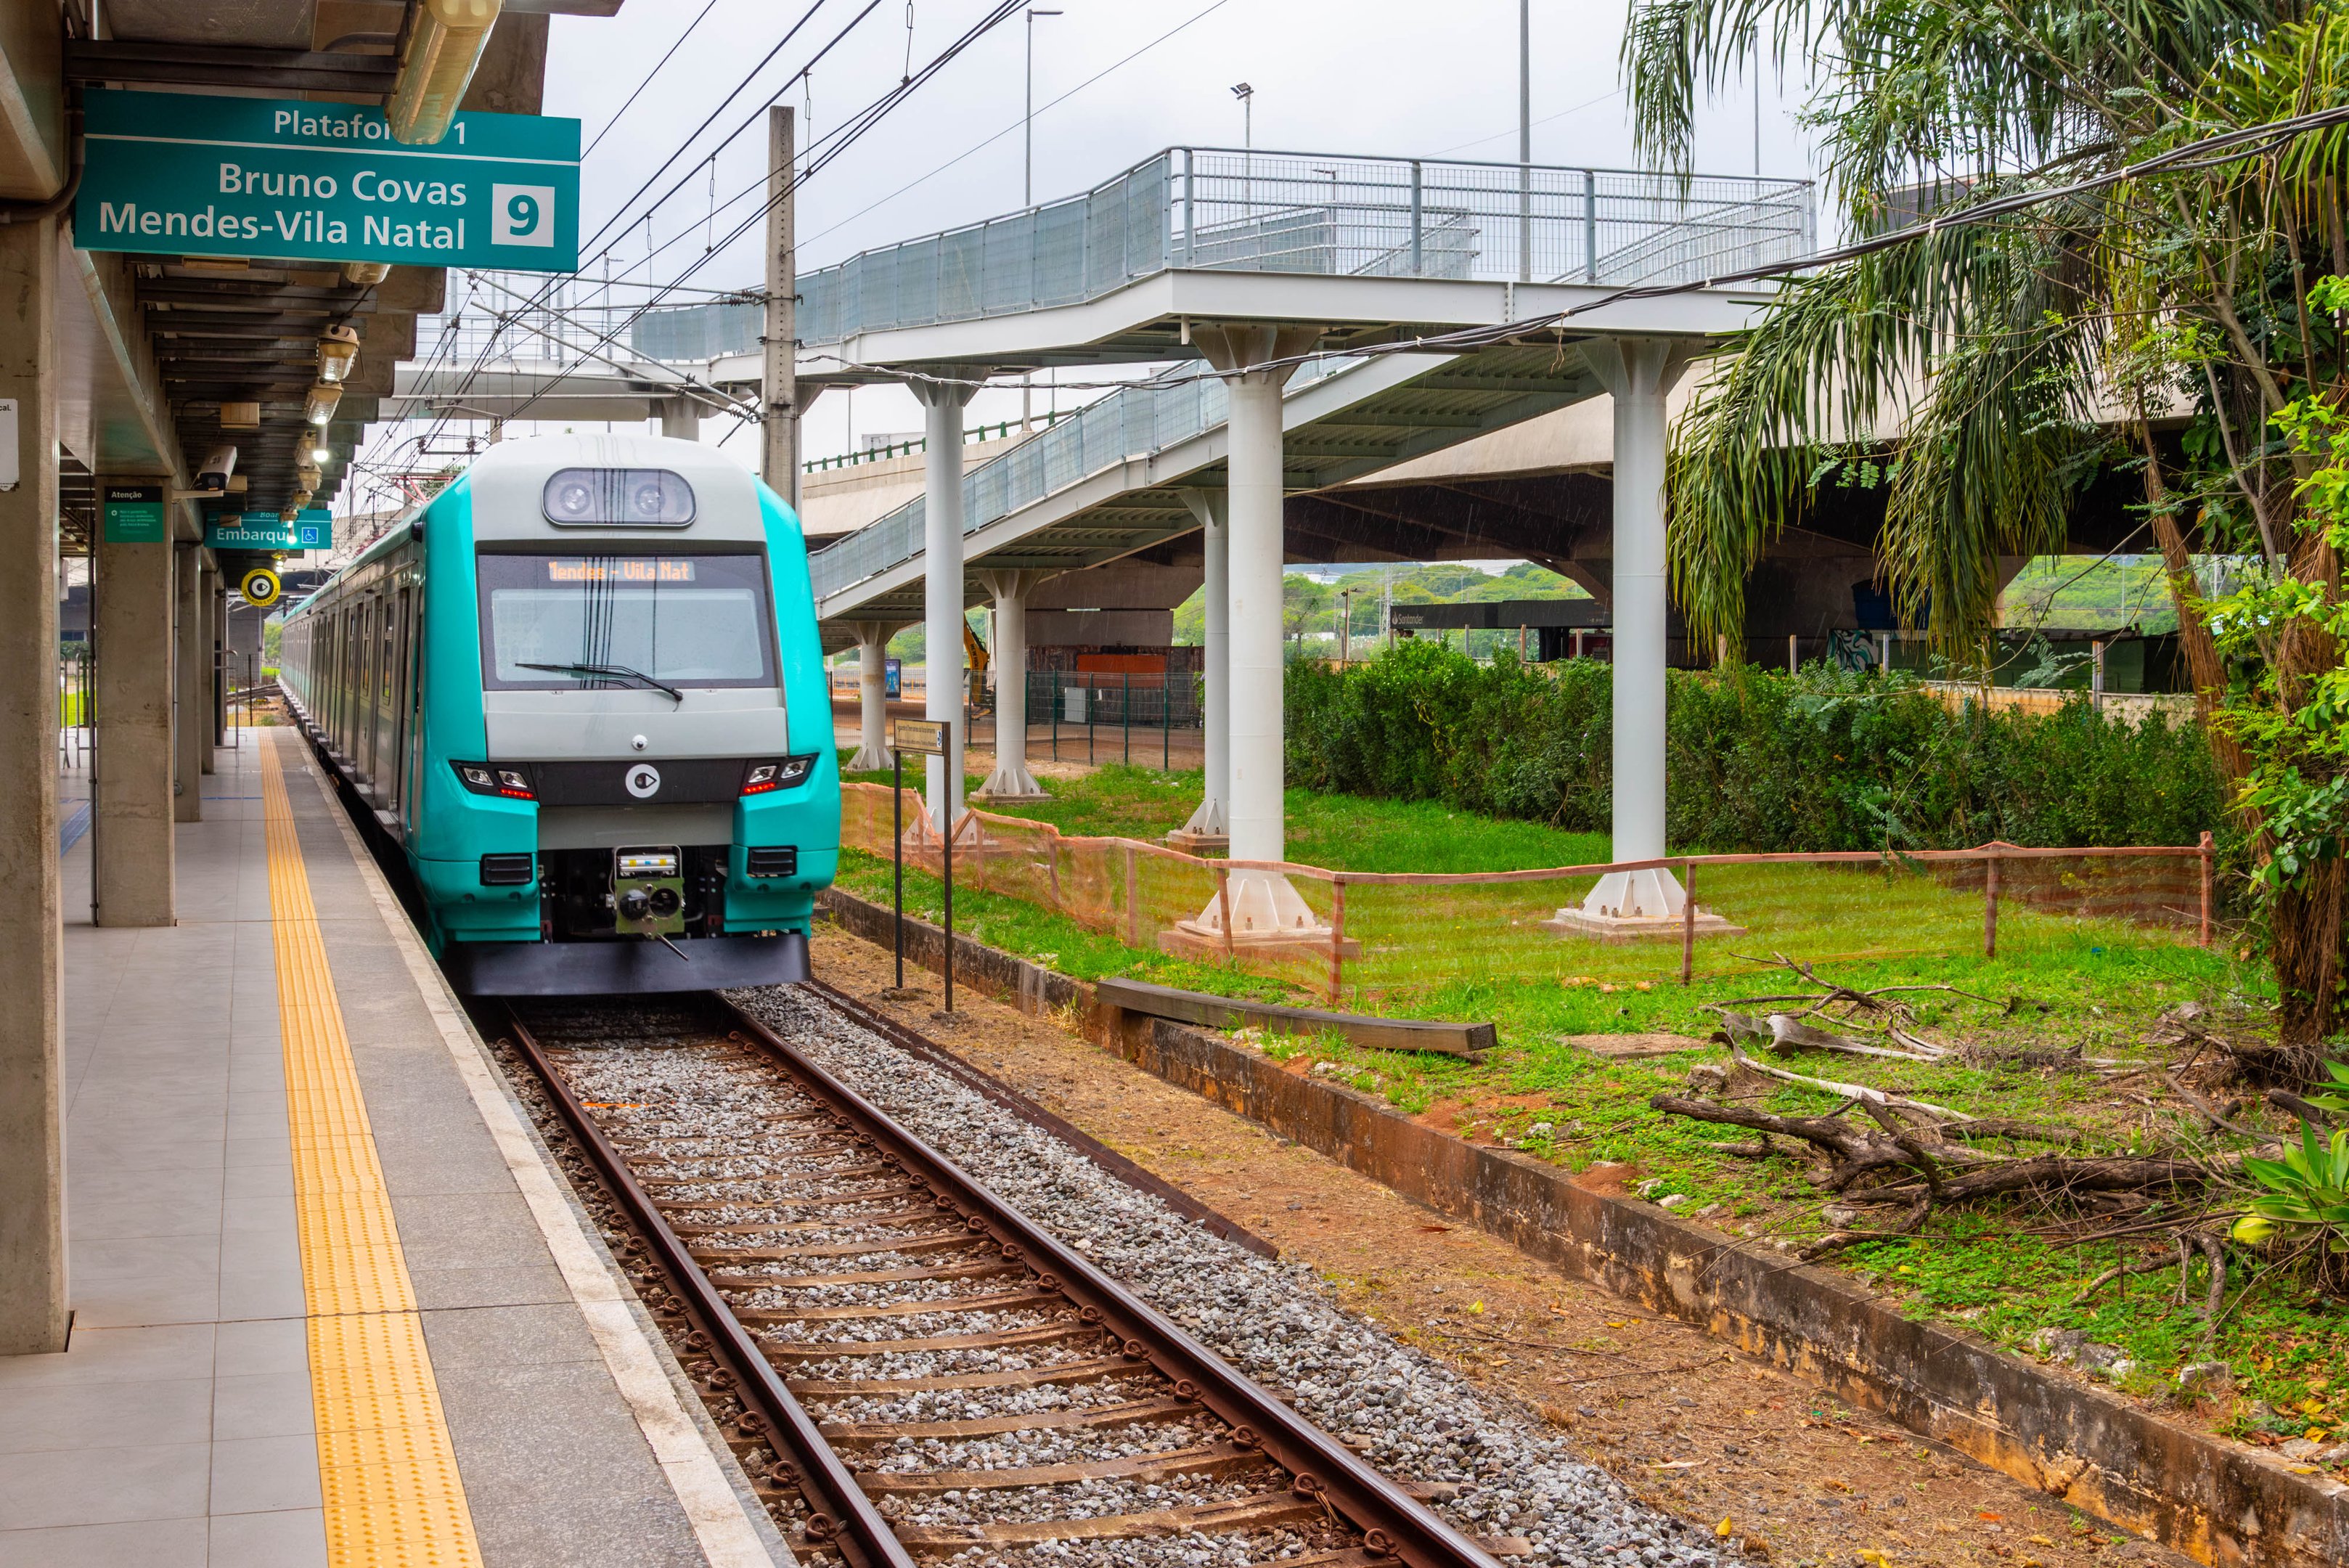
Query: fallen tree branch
[(1859, 1093)]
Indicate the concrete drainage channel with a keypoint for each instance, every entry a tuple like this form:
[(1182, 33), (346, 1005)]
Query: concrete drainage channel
[(2215, 1501)]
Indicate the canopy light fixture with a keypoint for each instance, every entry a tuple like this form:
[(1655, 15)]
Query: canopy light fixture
[(289, 517), (367, 274), (318, 407), (443, 48), (322, 454), (306, 476), (301, 499), (338, 351)]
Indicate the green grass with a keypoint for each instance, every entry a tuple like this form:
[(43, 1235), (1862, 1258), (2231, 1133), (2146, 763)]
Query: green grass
[(1480, 956)]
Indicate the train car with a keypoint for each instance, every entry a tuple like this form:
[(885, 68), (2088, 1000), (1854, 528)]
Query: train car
[(582, 693)]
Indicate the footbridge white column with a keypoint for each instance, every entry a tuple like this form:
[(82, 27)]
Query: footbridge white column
[(1210, 826), (872, 695), (1265, 909), (1638, 372), (944, 396), (1011, 780)]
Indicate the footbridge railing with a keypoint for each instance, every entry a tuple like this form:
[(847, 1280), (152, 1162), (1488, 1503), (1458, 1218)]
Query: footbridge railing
[(1316, 213)]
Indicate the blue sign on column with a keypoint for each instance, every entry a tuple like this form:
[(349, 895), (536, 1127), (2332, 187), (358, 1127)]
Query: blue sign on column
[(191, 174)]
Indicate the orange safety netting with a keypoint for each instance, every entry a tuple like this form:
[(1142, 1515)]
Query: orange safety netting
[(1367, 933)]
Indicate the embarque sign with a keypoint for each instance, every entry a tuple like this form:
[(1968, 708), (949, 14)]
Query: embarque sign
[(190, 174)]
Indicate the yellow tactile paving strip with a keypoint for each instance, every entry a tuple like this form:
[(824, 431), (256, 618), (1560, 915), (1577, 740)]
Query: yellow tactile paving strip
[(387, 1468)]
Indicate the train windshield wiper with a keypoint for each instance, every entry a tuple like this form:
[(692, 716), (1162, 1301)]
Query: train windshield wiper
[(619, 671)]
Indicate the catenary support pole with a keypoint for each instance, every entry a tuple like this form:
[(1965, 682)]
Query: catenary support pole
[(872, 694), (778, 445), (190, 721), (131, 817), (1011, 780), (32, 1067), (1209, 827), (943, 395)]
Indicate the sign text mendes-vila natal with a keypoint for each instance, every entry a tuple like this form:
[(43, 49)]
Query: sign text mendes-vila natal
[(189, 174)]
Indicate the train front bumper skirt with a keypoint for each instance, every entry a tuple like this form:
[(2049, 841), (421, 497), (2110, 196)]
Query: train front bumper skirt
[(631, 966)]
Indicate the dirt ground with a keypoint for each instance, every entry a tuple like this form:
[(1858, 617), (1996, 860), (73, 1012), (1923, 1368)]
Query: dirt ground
[(1681, 1419)]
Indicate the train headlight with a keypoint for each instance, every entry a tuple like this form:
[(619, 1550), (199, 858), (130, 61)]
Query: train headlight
[(782, 773), (618, 498), (490, 778)]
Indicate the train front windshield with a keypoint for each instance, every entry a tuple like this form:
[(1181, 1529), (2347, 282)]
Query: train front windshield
[(560, 622)]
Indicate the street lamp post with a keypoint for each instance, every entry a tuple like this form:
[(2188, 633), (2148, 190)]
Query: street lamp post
[(1027, 189)]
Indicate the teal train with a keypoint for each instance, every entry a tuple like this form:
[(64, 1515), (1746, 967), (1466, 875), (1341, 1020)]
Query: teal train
[(580, 693)]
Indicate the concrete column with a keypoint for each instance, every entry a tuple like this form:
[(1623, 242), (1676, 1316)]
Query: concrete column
[(680, 419), (1638, 372), (943, 401), (1011, 780), (872, 695), (132, 821), (32, 1117), (215, 716), (1210, 826), (1265, 908), (191, 724)]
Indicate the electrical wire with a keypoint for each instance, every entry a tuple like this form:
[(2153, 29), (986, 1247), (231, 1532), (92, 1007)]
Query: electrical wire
[(707, 8), (965, 152), (834, 145)]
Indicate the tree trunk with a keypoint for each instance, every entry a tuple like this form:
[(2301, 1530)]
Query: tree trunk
[(2202, 662)]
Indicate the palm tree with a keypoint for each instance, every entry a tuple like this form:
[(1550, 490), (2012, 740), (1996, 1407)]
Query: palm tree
[(2157, 323)]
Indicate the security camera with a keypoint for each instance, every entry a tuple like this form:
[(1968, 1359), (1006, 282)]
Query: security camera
[(213, 473)]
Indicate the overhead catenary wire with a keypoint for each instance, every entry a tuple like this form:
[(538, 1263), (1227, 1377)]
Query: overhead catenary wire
[(707, 6), (834, 144)]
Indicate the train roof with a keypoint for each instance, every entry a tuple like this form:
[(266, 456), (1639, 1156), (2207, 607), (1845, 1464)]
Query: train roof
[(508, 483)]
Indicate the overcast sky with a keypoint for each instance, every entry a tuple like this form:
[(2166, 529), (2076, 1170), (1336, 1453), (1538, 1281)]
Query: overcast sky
[(1365, 76)]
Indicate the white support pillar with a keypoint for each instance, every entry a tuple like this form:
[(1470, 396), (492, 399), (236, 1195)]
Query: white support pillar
[(1263, 908), (1210, 826), (192, 719), (944, 397), (872, 695), (1011, 780), (1638, 372)]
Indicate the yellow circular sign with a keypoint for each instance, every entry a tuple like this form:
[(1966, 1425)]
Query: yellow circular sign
[(260, 587)]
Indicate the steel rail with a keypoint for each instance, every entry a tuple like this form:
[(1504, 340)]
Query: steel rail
[(842, 1517), (1393, 1522)]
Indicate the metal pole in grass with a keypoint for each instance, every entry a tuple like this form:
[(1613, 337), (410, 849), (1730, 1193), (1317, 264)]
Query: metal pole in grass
[(2208, 867), (1337, 939), (898, 834), (1990, 907), (946, 855), (1165, 722), (1125, 706), (1688, 919)]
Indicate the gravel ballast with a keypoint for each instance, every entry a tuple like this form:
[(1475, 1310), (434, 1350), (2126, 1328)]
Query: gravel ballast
[(1411, 1417)]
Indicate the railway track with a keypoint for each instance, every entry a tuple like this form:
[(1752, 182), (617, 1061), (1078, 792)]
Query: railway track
[(910, 1369)]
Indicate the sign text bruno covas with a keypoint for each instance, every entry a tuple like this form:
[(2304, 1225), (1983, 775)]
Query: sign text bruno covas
[(189, 174)]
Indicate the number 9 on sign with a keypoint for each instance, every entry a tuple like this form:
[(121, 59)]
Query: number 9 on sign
[(260, 587), (522, 215)]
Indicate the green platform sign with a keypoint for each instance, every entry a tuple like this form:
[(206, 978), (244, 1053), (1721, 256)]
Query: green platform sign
[(133, 515), (189, 174), (312, 529)]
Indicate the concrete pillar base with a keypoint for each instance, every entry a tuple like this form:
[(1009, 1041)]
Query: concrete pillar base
[(1011, 780), (1632, 904), (1267, 911)]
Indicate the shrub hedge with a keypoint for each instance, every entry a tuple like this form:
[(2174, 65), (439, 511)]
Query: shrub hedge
[(1757, 760)]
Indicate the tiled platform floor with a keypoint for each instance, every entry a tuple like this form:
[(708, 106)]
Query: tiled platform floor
[(178, 1428)]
